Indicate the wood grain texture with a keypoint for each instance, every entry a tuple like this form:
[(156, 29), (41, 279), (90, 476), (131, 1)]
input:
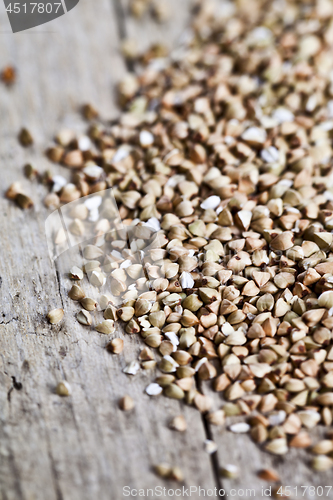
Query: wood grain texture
[(82, 447), (146, 31)]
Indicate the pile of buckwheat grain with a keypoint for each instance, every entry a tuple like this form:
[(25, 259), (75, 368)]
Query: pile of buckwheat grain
[(225, 150)]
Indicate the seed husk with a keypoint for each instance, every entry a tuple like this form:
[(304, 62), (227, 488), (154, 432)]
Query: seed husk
[(172, 300), (309, 418), (269, 475), (105, 301), (132, 368), (202, 403), (24, 201), (132, 327), (97, 279), (166, 348), (322, 463), (84, 318), (313, 317), (323, 447), (232, 409), (210, 446), (146, 354), (208, 295), (89, 112), (221, 382), (239, 428), (325, 399), (261, 278), (301, 440), (230, 471), (76, 227), (111, 313), (91, 265), (259, 433), (157, 318), (174, 391), (142, 307), (234, 391), (236, 339), (148, 365), (13, 190), (126, 403), (154, 340), (277, 446), (283, 280), (190, 396), (186, 383), (295, 385), (125, 313), (327, 416), (76, 273), (207, 371), (152, 389), (63, 389), (216, 417), (168, 364), (185, 371), (165, 380), (178, 423), (176, 474), (189, 319), (283, 241), (115, 346), (326, 299), (192, 303), (55, 316), (106, 326), (182, 357), (89, 304), (76, 293), (25, 138), (163, 470), (8, 75), (91, 252)]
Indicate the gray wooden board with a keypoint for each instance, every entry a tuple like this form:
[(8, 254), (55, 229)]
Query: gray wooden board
[(82, 447), (145, 31)]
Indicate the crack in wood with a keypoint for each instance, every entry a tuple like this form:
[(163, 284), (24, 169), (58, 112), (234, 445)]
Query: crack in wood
[(122, 30), (9, 321), (216, 467), (15, 385), (59, 288)]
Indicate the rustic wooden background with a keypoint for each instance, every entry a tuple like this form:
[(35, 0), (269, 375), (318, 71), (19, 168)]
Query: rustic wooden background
[(83, 447)]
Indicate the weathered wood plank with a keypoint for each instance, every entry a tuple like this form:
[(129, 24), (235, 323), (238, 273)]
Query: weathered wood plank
[(82, 447), (147, 31)]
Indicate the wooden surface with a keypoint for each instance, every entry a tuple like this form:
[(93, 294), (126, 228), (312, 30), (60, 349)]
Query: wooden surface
[(84, 447)]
